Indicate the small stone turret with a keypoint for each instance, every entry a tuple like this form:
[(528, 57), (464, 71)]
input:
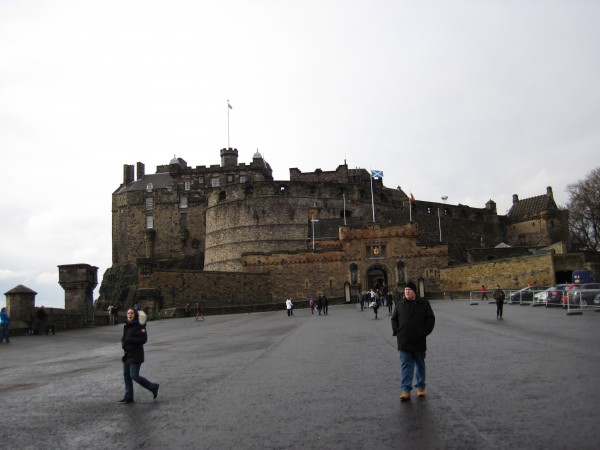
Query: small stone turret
[(229, 157)]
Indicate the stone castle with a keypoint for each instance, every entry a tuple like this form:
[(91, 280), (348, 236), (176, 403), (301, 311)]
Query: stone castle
[(228, 235)]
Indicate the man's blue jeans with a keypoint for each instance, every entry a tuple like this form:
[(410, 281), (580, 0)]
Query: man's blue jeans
[(408, 362), (131, 373)]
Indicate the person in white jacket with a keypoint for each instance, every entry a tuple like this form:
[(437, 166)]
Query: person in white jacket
[(290, 307)]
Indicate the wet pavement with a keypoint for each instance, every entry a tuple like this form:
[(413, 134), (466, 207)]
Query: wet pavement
[(267, 381)]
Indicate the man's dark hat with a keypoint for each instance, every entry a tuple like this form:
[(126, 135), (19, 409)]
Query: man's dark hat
[(412, 286)]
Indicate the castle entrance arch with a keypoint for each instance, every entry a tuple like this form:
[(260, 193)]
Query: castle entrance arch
[(377, 276)]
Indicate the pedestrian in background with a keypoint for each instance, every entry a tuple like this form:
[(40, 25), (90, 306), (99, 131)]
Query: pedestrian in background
[(290, 307), (50, 322), (319, 304), (483, 292), (325, 304), (499, 297), (40, 320), (199, 311), (311, 303), (412, 321), (4, 323), (389, 298), (132, 342)]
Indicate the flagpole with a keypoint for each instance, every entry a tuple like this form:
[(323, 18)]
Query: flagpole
[(344, 196), (228, 108), (372, 199), (410, 207)]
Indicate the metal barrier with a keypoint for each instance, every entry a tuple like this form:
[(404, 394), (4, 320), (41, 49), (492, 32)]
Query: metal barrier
[(512, 297), (580, 300), (477, 296)]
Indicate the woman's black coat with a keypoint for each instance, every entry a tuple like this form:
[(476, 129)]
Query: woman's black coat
[(134, 338)]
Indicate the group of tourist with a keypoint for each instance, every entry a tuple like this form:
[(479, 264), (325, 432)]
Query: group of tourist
[(376, 298), (321, 304)]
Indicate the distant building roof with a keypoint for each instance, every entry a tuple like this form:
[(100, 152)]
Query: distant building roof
[(529, 207), (158, 181), (20, 289)]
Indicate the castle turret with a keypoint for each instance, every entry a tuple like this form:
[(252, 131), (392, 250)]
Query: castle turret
[(229, 157)]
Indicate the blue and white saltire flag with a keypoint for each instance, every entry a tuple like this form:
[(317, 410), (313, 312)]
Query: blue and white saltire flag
[(377, 173)]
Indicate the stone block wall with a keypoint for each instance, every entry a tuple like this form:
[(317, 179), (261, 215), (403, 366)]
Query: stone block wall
[(513, 273), (211, 289)]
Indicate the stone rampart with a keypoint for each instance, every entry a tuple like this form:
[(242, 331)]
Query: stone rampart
[(508, 273)]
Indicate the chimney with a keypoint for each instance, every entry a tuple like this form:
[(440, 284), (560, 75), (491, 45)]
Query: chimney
[(491, 206), (515, 199), (549, 192), (140, 170), (127, 174)]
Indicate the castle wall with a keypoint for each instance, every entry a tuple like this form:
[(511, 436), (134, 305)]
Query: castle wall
[(306, 274), (211, 289), (513, 273), (273, 217)]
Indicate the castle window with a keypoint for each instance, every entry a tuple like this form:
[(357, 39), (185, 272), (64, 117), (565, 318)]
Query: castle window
[(187, 185), (222, 195), (214, 182), (149, 222), (149, 203), (149, 187), (183, 201), (229, 179), (447, 212), (429, 210), (242, 178), (169, 188)]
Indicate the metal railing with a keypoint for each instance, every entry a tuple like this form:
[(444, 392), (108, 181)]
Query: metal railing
[(580, 300)]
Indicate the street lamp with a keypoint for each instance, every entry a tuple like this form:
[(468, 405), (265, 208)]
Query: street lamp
[(312, 222), (444, 198)]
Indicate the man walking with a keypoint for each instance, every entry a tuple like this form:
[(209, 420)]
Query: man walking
[(412, 321), (499, 297)]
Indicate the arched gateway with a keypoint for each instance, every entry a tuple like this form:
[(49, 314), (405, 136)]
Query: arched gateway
[(377, 276)]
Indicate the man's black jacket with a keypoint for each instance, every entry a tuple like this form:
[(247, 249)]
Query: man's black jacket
[(412, 322)]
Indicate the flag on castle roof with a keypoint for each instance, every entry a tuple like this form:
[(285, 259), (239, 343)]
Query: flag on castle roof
[(377, 173)]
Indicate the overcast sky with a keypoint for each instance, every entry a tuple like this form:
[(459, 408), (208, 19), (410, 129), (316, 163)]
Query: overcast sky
[(474, 100)]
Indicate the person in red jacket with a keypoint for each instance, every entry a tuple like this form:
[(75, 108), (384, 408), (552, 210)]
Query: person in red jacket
[(412, 321)]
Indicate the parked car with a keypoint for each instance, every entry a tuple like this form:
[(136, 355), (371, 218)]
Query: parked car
[(583, 294), (541, 297), (557, 295), (526, 294)]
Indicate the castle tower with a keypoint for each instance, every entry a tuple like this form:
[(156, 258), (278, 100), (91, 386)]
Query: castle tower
[(20, 303), (79, 281), (229, 157)]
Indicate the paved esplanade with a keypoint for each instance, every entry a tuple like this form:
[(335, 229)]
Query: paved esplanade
[(267, 381)]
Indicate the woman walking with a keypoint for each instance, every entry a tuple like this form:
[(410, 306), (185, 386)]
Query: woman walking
[(134, 338)]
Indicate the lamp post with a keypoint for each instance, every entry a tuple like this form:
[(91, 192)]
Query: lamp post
[(444, 198), (312, 222)]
